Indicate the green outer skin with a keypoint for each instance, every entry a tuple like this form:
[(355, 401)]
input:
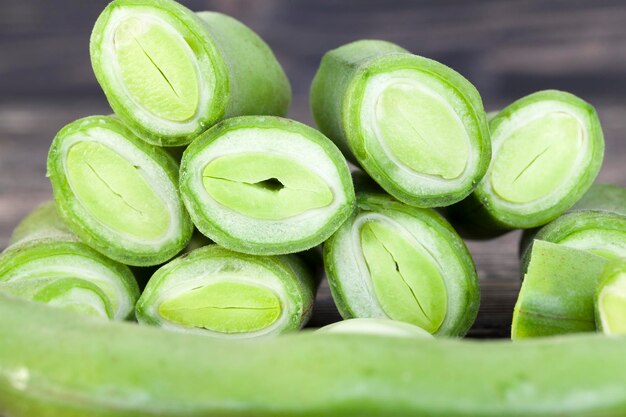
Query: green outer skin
[(613, 269), (76, 217), (386, 205), (220, 236), (475, 218), (334, 103), (558, 292), (43, 233), (300, 285), (131, 371), (602, 207), (249, 79)]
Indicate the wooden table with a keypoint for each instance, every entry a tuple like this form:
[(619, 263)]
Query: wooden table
[(506, 48)]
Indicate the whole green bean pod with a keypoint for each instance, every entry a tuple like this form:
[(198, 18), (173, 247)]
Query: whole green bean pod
[(53, 364)]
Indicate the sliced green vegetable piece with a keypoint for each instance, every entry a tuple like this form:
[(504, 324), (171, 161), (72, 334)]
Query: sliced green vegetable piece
[(557, 295), (129, 370), (547, 150), (610, 299), (394, 261), (407, 282), (216, 292), (47, 264), (170, 73), (380, 327), (266, 185), (416, 126), (117, 193), (596, 223), (227, 307)]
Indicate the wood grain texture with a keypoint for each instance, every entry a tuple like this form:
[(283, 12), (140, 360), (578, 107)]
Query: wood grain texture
[(506, 48)]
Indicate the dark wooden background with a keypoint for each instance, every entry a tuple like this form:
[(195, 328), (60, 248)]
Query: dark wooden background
[(506, 48)]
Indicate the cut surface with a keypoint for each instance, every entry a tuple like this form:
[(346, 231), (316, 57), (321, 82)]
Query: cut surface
[(610, 244), (612, 305), (407, 283), (264, 186), (157, 67), (537, 157), (422, 130), (227, 307), (115, 192)]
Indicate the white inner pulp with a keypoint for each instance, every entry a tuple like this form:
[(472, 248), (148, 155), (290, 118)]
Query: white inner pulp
[(414, 130), (219, 273), (272, 204), (120, 188), (149, 62), (537, 155), (612, 305)]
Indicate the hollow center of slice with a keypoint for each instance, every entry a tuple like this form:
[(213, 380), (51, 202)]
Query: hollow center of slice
[(115, 192), (612, 306), (157, 68), (264, 186), (422, 130), (406, 280), (535, 159), (226, 307)]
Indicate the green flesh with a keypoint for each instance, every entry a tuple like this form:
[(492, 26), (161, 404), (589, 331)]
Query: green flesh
[(612, 306), (406, 280), (610, 244), (114, 191), (422, 131), (156, 68), (227, 307), (265, 186), (536, 158)]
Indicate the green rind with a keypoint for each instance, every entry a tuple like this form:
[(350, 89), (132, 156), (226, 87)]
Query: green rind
[(43, 221), (380, 203), (612, 270), (476, 216), (557, 294), (335, 104), (50, 246), (230, 49), (217, 232), (131, 371), (297, 282), (81, 222), (602, 207)]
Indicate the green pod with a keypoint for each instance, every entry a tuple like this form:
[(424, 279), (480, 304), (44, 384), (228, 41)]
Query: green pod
[(547, 150), (596, 223), (557, 295), (381, 327), (47, 264), (610, 300), (266, 185), (417, 127), (117, 193), (127, 370), (392, 260), (214, 291), (170, 74)]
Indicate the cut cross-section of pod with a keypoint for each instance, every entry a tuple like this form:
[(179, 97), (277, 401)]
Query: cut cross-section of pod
[(218, 292), (596, 223), (610, 300), (266, 185), (170, 73), (117, 193), (391, 260), (416, 126), (47, 264), (547, 151)]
